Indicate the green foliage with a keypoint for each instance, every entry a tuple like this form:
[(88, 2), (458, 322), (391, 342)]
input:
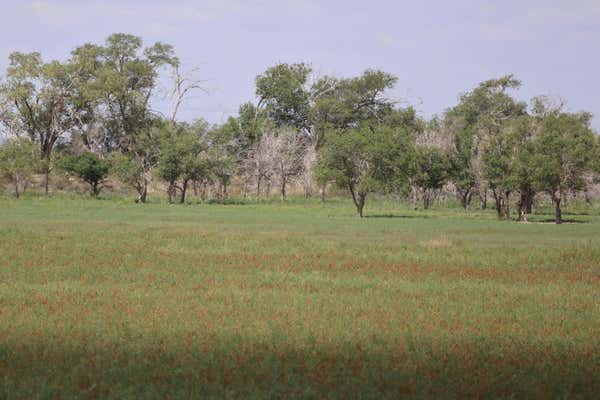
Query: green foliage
[(364, 160), (563, 154), (349, 103), (18, 161), (481, 151), (283, 91), (88, 167), (431, 168), (183, 156), (122, 77)]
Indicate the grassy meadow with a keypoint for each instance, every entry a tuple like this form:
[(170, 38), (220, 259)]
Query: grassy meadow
[(111, 300)]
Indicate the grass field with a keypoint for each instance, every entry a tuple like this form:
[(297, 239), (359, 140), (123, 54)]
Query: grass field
[(108, 299)]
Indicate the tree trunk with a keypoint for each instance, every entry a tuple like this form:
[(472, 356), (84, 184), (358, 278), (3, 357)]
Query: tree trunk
[(483, 200), (522, 213), (17, 194), (557, 209), (47, 179), (465, 198), (171, 192), (506, 205), (95, 190), (415, 197), (183, 191), (426, 199), (497, 203), (143, 193), (203, 192), (283, 183), (358, 199), (522, 207), (502, 203), (361, 204), (322, 194), (258, 187)]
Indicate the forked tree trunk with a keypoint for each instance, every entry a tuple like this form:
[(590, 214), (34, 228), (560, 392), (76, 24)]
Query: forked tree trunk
[(524, 204), (465, 198), (95, 189), (483, 200), (502, 203), (358, 199)]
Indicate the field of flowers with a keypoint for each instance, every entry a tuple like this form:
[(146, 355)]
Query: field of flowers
[(107, 299)]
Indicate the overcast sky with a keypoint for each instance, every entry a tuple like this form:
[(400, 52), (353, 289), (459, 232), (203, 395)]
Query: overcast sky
[(437, 49)]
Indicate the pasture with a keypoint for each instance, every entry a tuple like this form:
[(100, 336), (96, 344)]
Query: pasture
[(109, 299)]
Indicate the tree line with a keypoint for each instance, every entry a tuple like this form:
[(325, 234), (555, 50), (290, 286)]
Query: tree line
[(91, 116)]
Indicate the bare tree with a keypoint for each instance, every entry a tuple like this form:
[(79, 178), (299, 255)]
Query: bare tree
[(287, 156), (308, 164), (183, 85), (259, 160)]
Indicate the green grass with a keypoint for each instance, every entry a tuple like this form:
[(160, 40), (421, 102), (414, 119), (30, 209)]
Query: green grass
[(108, 299)]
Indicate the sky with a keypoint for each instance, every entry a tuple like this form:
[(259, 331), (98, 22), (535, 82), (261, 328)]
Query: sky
[(437, 49)]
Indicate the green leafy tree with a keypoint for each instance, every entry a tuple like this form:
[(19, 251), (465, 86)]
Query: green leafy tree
[(88, 167), (477, 121), (365, 160), (563, 155), (125, 76), (19, 159), (523, 132), (41, 99), (430, 173), (284, 93), (183, 157)]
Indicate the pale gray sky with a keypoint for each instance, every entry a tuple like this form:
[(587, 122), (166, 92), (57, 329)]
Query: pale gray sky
[(436, 48)]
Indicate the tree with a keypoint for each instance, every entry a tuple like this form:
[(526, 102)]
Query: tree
[(130, 172), (41, 98), (286, 156), (124, 83), (431, 171), (182, 157), (364, 160), (351, 102), (284, 93), (18, 161), (258, 160), (88, 167), (523, 131), (563, 154), (477, 124)]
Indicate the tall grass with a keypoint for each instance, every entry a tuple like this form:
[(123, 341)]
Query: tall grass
[(108, 299)]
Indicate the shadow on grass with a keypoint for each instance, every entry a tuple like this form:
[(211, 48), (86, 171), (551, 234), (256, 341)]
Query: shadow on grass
[(193, 368), (553, 221), (397, 216)]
